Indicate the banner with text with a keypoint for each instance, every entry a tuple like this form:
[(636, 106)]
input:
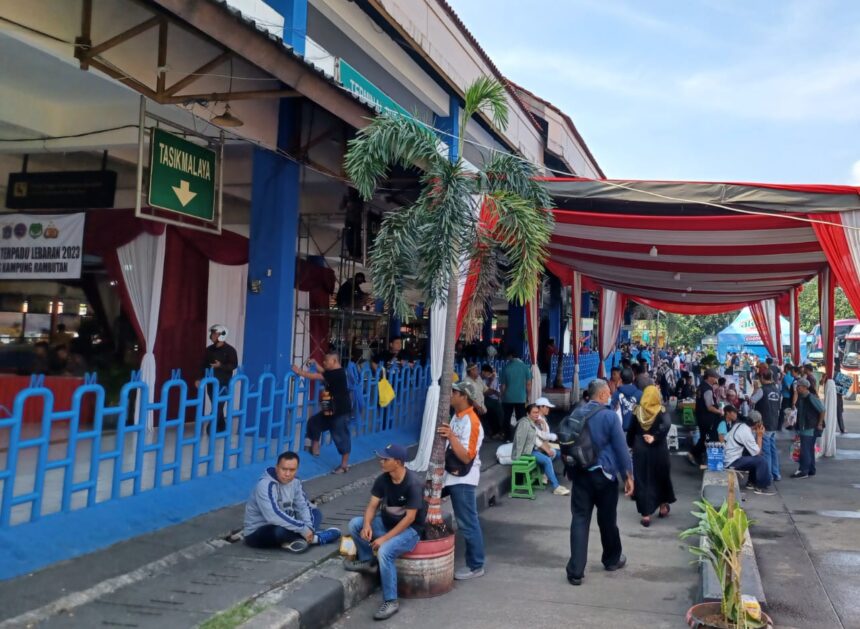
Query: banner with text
[(41, 246)]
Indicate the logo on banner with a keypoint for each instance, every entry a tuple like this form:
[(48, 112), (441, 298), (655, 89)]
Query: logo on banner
[(41, 247)]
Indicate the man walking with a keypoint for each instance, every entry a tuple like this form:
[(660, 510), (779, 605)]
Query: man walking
[(810, 423), (335, 410), (465, 435), (391, 525), (515, 381), (278, 512), (626, 397), (708, 416), (766, 399), (223, 360), (597, 486)]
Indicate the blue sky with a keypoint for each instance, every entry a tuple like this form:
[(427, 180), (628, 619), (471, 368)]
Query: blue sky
[(767, 90)]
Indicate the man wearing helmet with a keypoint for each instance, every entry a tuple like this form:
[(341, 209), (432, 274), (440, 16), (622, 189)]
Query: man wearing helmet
[(223, 360)]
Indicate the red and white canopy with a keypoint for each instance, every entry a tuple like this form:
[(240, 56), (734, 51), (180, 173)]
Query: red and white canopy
[(704, 247)]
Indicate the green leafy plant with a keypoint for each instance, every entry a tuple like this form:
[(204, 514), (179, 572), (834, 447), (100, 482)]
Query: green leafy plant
[(710, 361), (504, 246), (724, 534)]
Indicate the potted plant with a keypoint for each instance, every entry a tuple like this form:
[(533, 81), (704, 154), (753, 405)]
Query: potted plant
[(709, 361), (723, 532)]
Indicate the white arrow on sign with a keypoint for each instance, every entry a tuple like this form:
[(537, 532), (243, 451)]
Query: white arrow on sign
[(183, 193)]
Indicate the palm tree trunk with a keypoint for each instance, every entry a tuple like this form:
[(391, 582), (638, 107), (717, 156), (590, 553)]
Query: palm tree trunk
[(435, 526)]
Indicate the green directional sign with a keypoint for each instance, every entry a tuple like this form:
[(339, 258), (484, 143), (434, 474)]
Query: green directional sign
[(181, 176)]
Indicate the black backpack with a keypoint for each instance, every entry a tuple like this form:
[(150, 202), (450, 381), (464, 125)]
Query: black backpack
[(574, 437)]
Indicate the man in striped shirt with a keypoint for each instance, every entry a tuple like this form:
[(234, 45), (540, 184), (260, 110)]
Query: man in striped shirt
[(465, 436)]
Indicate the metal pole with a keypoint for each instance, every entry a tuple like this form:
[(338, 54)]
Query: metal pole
[(221, 182), (141, 128)]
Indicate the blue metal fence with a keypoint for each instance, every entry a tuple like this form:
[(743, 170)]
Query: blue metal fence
[(67, 462)]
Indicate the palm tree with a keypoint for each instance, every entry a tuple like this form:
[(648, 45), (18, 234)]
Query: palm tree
[(428, 239)]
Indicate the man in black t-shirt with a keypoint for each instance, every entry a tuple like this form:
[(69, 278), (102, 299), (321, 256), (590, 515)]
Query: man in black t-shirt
[(391, 524), (223, 360), (335, 411)]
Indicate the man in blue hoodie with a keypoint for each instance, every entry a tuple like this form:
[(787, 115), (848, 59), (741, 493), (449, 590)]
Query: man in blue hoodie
[(626, 397), (278, 512), (597, 486)]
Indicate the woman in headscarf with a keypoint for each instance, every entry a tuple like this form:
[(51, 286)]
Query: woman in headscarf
[(651, 467)]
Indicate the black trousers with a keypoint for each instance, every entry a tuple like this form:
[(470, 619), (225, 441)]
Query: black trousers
[(220, 417), (508, 408), (493, 417), (590, 490), (840, 409), (707, 432)]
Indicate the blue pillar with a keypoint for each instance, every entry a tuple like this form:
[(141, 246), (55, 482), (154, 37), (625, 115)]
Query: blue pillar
[(586, 313), (295, 14), (516, 334), (270, 312), (487, 331), (554, 310), (450, 126), (394, 327)]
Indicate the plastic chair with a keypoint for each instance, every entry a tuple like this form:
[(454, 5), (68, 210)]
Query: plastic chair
[(672, 437), (525, 474), (689, 417)]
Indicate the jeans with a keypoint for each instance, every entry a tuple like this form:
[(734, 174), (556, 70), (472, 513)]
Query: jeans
[(338, 425), (388, 552), (272, 535), (590, 490), (770, 451), (545, 463), (466, 513), (807, 454), (518, 410), (757, 467)]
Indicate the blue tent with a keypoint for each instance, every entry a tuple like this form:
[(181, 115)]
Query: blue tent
[(741, 335)]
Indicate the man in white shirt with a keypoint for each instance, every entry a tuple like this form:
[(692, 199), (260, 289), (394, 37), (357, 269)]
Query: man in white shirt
[(743, 452), (465, 435)]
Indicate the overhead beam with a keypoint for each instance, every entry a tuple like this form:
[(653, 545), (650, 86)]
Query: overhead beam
[(226, 96), (127, 80), (134, 31), (160, 82), (181, 84)]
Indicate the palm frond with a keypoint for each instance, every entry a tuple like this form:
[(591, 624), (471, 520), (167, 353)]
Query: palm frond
[(484, 269), (486, 93), (393, 257), (522, 232), (514, 174), (389, 140)]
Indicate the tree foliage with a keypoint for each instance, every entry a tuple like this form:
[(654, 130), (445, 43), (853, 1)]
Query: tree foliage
[(807, 306)]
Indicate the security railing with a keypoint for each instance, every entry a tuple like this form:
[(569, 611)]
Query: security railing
[(95, 452)]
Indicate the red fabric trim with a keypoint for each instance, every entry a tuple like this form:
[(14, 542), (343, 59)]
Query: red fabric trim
[(683, 266), (685, 250), (711, 224), (761, 325), (796, 187), (688, 309), (835, 247)]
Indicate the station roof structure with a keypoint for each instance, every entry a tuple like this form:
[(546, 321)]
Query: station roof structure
[(702, 247)]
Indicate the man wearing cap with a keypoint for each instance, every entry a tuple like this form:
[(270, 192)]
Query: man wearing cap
[(391, 525), (222, 358), (473, 377), (810, 423), (708, 416), (465, 435)]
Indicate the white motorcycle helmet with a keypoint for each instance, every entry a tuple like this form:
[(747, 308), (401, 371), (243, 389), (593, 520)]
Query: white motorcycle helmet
[(220, 330)]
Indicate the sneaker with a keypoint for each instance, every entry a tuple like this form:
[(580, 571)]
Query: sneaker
[(574, 580), (776, 479), (765, 491), (622, 561), (749, 486), (464, 574), (327, 536), (691, 459), (544, 479), (799, 474), (561, 491), (387, 610), (365, 567), (296, 546)]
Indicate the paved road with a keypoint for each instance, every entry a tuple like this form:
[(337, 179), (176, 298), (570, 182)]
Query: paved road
[(525, 585)]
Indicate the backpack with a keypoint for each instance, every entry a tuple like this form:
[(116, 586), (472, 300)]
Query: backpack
[(574, 437)]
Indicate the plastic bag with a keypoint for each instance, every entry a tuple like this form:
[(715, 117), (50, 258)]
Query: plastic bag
[(386, 391), (790, 418), (795, 449)]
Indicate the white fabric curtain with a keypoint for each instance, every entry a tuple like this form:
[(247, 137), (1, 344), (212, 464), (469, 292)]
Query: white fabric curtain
[(611, 316), (142, 264), (226, 301), (826, 317), (828, 439), (533, 320)]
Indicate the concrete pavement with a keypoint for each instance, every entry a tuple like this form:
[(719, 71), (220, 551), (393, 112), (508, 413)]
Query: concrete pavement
[(527, 548)]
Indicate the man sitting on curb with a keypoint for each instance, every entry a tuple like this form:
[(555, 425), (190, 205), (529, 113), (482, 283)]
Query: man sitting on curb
[(278, 512), (391, 531), (743, 452)]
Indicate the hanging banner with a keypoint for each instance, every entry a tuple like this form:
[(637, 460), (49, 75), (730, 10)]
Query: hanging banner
[(41, 246)]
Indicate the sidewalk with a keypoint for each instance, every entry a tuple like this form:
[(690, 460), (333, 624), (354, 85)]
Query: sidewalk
[(182, 575), (527, 547)]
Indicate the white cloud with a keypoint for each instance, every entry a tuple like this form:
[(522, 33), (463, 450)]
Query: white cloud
[(855, 173)]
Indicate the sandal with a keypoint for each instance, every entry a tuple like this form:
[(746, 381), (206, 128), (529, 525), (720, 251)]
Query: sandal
[(340, 469), (645, 521), (665, 514)]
